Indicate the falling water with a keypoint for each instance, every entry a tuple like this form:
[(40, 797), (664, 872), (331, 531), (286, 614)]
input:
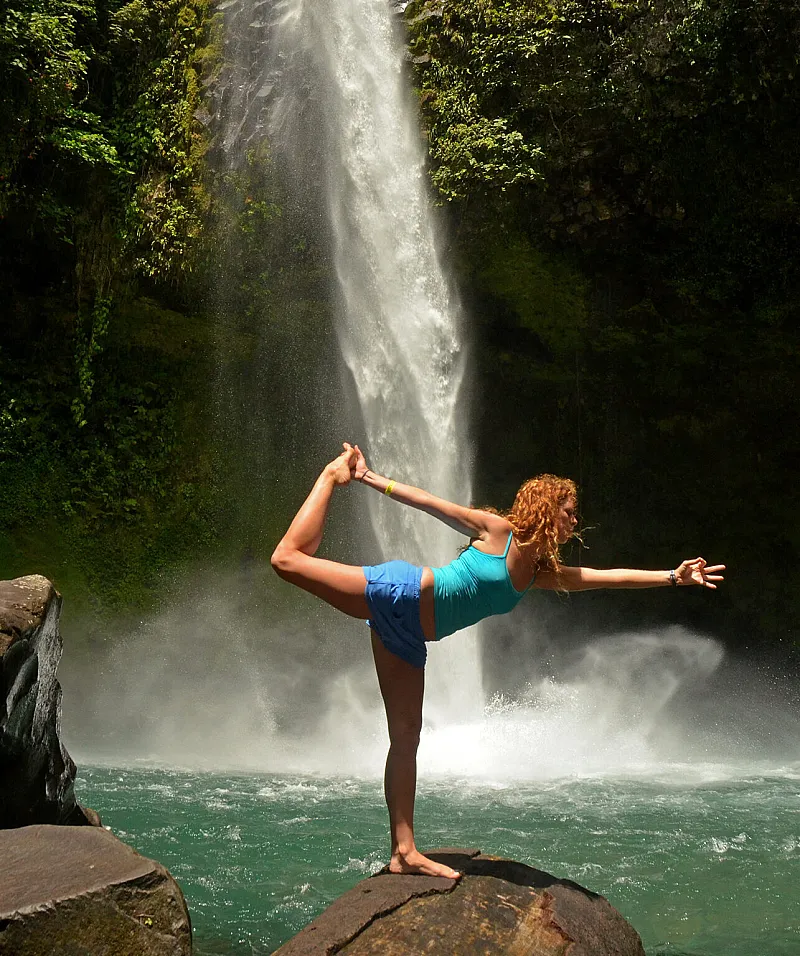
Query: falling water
[(400, 325), (322, 83)]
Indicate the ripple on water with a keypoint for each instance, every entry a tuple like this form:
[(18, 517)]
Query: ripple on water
[(367, 866), (701, 868)]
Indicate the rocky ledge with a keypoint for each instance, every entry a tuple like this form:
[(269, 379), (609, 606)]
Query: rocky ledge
[(79, 890), (498, 906)]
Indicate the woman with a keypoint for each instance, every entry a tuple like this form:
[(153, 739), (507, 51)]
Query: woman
[(407, 606)]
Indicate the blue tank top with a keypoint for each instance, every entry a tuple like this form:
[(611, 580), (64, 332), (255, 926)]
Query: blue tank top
[(474, 586)]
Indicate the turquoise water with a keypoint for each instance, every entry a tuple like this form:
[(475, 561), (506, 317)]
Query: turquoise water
[(701, 867)]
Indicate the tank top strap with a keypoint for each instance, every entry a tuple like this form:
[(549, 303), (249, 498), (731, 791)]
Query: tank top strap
[(508, 543)]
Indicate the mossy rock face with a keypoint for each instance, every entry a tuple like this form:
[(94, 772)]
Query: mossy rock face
[(498, 906), (80, 890)]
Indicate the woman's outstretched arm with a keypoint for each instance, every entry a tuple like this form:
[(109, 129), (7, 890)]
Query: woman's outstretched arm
[(692, 571), (468, 521)]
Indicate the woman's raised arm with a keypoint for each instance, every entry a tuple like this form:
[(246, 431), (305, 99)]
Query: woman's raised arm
[(468, 521), (691, 571)]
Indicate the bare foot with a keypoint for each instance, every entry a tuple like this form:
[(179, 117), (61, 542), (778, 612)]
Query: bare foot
[(341, 468), (415, 862)]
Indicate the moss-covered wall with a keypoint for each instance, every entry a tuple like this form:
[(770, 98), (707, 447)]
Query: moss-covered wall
[(164, 316), (621, 182)]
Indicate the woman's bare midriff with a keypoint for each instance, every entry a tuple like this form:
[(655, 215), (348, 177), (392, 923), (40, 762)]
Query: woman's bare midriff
[(426, 615)]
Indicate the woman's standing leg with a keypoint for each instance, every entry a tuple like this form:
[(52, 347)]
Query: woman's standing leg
[(341, 585), (402, 688)]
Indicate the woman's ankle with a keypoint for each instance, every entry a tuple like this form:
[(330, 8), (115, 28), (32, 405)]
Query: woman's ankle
[(405, 847)]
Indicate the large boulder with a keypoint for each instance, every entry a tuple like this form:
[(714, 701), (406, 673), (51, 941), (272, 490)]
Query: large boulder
[(80, 891), (498, 907), (37, 774)]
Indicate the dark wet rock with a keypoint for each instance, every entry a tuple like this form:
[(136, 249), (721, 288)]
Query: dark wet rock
[(499, 906), (260, 69), (426, 14), (37, 774), (79, 890)]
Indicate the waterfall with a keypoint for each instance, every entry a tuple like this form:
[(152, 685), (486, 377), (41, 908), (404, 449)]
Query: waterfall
[(337, 86), (217, 678)]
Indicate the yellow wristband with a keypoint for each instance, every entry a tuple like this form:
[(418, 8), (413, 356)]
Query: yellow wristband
[(389, 488)]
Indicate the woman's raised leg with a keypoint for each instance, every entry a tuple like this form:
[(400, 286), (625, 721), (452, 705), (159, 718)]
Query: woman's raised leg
[(402, 688), (341, 585)]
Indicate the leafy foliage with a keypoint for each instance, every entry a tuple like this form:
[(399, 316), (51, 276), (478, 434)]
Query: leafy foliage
[(118, 488), (98, 110), (166, 46), (101, 189), (633, 263), (629, 120)]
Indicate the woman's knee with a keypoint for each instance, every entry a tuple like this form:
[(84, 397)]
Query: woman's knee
[(404, 734)]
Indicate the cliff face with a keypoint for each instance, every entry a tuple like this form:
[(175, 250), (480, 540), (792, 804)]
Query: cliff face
[(37, 774)]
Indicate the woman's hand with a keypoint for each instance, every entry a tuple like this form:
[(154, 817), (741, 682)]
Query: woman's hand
[(359, 469), (696, 571)]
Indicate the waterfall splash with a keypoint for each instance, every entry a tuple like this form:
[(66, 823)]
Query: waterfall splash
[(400, 325)]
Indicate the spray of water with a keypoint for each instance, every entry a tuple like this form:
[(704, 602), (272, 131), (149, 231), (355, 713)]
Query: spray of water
[(210, 687)]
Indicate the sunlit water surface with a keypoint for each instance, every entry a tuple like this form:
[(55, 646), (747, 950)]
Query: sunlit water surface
[(701, 860)]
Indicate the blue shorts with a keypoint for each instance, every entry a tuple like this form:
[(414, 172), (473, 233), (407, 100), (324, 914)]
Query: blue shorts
[(392, 595)]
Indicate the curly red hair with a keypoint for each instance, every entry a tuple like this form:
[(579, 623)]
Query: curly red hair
[(534, 517)]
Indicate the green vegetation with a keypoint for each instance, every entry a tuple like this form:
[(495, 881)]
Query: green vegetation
[(100, 161), (103, 492), (131, 299), (622, 179), (103, 199)]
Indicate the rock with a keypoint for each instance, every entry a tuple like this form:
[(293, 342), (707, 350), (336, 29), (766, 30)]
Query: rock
[(499, 906), (37, 774), (79, 890), (426, 14), (63, 889)]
